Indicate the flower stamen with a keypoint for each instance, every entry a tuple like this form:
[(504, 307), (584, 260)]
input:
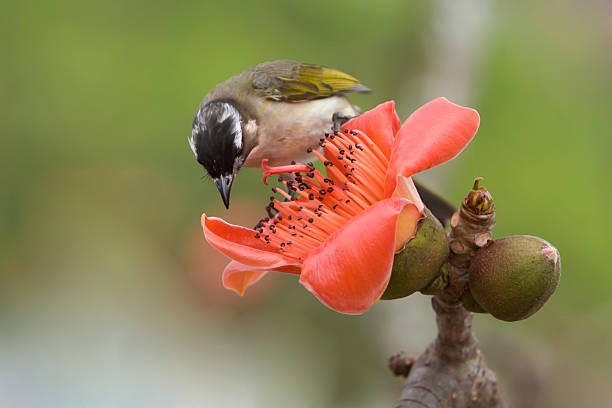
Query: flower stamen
[(312, 206)]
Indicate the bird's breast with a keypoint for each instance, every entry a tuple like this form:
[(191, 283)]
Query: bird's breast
[(286, 130)]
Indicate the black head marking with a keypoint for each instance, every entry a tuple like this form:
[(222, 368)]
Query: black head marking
[(216, 138)]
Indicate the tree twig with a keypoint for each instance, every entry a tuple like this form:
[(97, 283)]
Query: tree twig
[(452, 371)]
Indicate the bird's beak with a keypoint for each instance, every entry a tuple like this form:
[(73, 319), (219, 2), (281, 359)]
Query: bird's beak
[(224, 184)]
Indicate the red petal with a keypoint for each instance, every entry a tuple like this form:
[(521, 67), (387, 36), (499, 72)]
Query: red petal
[(238, 277), (351, 270), (380, 124), (405, 188), (433, 134), (240, 244)]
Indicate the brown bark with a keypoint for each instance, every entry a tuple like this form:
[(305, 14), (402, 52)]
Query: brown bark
[(452, 371)]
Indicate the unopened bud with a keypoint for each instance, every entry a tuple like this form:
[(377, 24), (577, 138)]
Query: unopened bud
[(513, 277), (479, 199), (418, 263)]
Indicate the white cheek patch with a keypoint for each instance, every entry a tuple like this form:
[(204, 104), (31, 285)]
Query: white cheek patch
[(191, 139), (251, 126), (238, 138), (192, 145)]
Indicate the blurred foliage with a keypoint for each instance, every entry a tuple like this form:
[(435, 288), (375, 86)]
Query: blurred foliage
[(100, 200)]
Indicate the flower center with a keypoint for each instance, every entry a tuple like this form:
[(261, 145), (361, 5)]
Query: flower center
[(312, 206)]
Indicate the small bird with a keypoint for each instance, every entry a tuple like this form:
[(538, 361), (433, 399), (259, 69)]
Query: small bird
[(275, 110)]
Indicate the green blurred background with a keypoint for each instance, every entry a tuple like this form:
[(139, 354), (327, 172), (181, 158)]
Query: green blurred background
[(109, 295)]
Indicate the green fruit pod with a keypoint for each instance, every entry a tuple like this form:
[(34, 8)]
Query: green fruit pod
[(418, 263), (513, 277), (470, 303)]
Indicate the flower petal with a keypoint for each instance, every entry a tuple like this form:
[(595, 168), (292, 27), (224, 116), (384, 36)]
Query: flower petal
[(433, 134), (405, 188), (407, 225), (238, 277), (380, 124), (351, 269), (240, 244)]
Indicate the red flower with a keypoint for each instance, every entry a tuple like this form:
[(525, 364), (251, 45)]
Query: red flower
[(340, 230)]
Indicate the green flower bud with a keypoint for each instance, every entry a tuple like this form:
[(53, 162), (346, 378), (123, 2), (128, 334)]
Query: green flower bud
[(418, 263), (513, 277)]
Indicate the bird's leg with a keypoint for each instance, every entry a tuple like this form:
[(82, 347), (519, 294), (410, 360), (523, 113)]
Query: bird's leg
[(339, 119)]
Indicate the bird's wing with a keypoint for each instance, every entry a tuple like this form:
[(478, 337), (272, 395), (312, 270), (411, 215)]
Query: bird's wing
[(294, 82)]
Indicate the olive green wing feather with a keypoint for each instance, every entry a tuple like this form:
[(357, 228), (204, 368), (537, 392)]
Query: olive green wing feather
[(294, 82)]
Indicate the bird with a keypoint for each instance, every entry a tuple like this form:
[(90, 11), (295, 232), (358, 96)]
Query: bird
[(278, 111), (275, 110)]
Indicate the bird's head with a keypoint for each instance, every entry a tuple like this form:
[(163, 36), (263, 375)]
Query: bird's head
[(217, 141)]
